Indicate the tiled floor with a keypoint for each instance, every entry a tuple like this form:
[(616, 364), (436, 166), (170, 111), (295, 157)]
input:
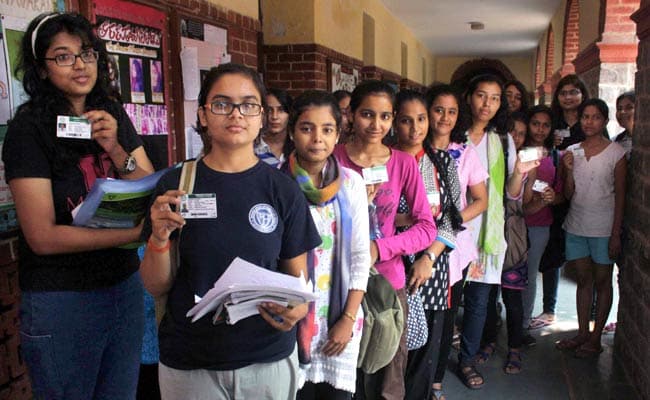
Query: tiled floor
[(549, 373)]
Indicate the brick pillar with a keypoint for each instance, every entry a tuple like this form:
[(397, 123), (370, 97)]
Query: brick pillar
[(608, 66), (632, 342), (295, 67)]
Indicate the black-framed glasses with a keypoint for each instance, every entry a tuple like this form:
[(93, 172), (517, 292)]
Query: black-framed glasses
[(68, 59), (572, 92), (226, 108)]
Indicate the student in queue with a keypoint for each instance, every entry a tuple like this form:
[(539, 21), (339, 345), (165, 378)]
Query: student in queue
[(261, 217), (81, 309)]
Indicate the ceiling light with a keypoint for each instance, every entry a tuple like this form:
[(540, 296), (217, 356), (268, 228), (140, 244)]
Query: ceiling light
[(476, 25)]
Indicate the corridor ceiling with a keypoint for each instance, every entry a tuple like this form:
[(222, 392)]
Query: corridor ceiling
[(512, 27)]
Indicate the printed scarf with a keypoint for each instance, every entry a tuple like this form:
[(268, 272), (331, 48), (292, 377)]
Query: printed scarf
[(331, 192), (491, 238)]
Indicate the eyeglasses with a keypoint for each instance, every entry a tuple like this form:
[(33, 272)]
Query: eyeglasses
[(226, 108), (572, 92), (68, 59)]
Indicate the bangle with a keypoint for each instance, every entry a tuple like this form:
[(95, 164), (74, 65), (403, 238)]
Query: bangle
[(151, 246), (350, 316)]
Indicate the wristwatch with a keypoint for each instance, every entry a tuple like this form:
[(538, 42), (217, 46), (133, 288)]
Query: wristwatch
[(129, 165), (431, 255)]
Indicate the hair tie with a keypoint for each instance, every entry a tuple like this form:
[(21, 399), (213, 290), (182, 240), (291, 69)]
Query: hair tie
[(35, 32)]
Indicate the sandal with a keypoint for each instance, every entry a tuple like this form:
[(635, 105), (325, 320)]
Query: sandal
[(437, 395), (586, 351), (569, 344), (485, 353), (468, 375), (513, 363)]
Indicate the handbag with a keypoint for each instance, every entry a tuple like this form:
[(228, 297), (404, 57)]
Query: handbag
[(186, 183), (416, 322)]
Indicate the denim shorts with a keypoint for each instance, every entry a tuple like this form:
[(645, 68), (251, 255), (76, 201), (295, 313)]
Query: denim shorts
[(584, 246)]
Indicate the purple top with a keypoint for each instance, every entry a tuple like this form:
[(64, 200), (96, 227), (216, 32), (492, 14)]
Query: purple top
[(546, 173), (403, 178)]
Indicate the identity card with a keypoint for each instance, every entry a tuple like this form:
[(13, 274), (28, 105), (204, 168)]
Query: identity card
[(197, 206), (73, 127), (539, 186), (578, 152), (563, 133), (377, 174)]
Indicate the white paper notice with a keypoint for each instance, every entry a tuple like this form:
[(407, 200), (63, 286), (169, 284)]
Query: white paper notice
[(190, 68), (215, 35)]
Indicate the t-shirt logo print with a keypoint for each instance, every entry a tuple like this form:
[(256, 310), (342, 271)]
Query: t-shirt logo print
[(263, 218)]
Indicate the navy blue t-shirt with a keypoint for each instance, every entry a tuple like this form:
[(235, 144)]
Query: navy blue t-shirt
[(262, 217)]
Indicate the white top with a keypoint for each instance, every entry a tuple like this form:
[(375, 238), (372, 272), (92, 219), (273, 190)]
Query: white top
[(591, 212), (339, 371), (487, 269)]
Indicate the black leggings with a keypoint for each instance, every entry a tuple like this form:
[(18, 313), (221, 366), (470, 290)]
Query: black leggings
[(514, 317), (322, 391), (448, 330)]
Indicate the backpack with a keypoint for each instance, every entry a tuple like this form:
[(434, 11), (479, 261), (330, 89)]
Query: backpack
[(516, 235), (383, 324)]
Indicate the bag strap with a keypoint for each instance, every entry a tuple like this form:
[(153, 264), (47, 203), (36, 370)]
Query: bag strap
[(186, 184)]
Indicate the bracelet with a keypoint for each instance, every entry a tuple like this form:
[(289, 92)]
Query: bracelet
[(350, 316), (151, 246)]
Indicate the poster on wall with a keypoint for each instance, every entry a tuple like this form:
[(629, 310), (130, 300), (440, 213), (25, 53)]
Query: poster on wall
[(203, 47), (135, 55), (343, 78), (14, 18)]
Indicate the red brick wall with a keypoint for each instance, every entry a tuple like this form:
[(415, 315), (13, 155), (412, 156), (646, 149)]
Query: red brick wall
[(14, 380), (571, 32), (242, 45), (632, 343), (550, 53), (298, 67)]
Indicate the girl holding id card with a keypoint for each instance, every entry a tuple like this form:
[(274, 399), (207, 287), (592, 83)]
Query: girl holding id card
[(82, 299)]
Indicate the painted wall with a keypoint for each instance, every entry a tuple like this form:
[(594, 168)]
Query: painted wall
[(288, 22), (339, 26), (244, 7), (589, 22), (521, 67)]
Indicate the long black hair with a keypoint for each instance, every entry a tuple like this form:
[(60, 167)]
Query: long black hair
[(210, 79), (44, 96), (573, 80), (314, 98), (522, 90), (46, 101), (499, 122), (435, 91), (541, 109)]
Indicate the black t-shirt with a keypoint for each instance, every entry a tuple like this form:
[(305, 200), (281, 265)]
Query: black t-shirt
[(577, 135), (262, 216), (28, 153)]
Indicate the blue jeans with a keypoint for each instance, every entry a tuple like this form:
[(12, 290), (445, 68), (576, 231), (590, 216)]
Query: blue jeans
[(84, 345), (537, 238), (475, 312)]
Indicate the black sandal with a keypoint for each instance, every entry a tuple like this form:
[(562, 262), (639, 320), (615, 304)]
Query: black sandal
[(513, 363), (485, 353), (469, 374)]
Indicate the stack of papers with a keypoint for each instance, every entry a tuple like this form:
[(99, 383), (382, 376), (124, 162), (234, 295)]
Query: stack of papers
[(243, 286)]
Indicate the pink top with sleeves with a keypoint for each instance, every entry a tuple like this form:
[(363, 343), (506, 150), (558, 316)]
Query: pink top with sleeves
[(403, 177), (470, 172), (546, 173)]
